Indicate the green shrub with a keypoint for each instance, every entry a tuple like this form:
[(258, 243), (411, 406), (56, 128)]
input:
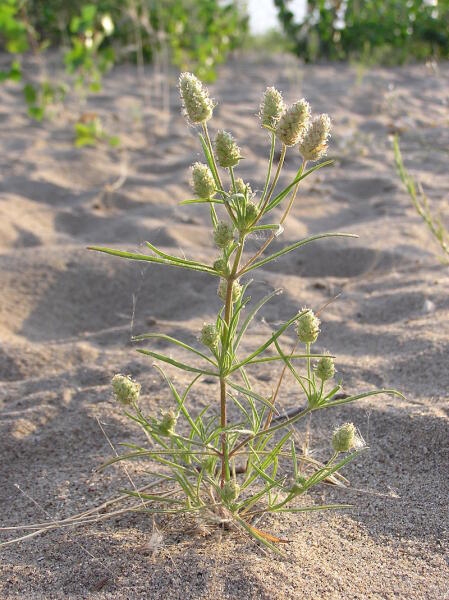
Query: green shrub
[(387, 31), (198, 33)]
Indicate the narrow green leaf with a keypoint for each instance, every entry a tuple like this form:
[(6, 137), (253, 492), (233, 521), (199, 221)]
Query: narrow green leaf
[(277, 199), (201, 201), (153, 259), (181, 401), (295, 462), (295, 246), (168, 338), (273, 358), (252, 314), (390, 392), (177, 259), (176, 363), (250, 393), (270, 341)]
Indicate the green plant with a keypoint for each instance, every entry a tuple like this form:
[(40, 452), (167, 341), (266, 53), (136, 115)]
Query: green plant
[(90, 132), (373, 31), (231, 462), (198, 33), (13, 29), (421, 203), (39, 97), (88, 58), (201, 33)]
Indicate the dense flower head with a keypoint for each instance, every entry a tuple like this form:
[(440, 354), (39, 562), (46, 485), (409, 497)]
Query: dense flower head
[(223, 234), (314, 144), (125, 389), (221, 265), (297, 486), (325, 368), (167, 423), (210, 336), (251, 213), (208, 465), (197, 105), (308, 327), (272, 107), (223, 287), (230, 491), (344, 438), (293, 123), (203, 183), (242, 188), (228, 153)]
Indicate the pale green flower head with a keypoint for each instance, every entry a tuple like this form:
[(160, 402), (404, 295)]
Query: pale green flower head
[(344, 438), (210, 336), (272, 107), (242, 188), (221, 266), (228, 153), (167, 423), (197, 105), (325, 368), (293, 123), (222, 290), (251, 213), (223, 234), (308, 327), (298, 485), (314, 144), (203, 183), (230, 491), (208, 465), (126, 391)]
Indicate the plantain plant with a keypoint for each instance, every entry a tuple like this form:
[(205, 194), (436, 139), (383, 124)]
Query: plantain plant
[(236, 461)]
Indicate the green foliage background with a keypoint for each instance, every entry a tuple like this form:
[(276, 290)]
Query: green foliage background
[(376, 31), (199, 33), (93, 36)]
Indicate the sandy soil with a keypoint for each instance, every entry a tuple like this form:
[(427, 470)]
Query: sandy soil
[(67, 315)]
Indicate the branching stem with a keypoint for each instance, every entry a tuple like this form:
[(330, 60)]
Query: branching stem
[(273, 235)]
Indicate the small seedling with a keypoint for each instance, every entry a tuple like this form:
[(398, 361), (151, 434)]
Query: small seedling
[(89, 131), (421, 204)]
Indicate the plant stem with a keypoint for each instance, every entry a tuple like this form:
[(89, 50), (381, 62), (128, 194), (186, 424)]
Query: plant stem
[(278, 387), (224, 445), (231, 172), (273, 235), (270, 165), (275, 180), (225, 475), (216, 173), (209, 145), (292, 199), (282, 425), (308, 369)]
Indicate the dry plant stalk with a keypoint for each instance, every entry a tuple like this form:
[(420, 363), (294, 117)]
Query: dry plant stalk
[(232, 471)]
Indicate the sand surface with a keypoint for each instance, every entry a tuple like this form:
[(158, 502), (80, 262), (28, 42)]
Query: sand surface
[(67, 315)]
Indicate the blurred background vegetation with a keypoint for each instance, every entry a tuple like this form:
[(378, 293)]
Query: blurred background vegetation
[(198, 35), (374, 31)]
